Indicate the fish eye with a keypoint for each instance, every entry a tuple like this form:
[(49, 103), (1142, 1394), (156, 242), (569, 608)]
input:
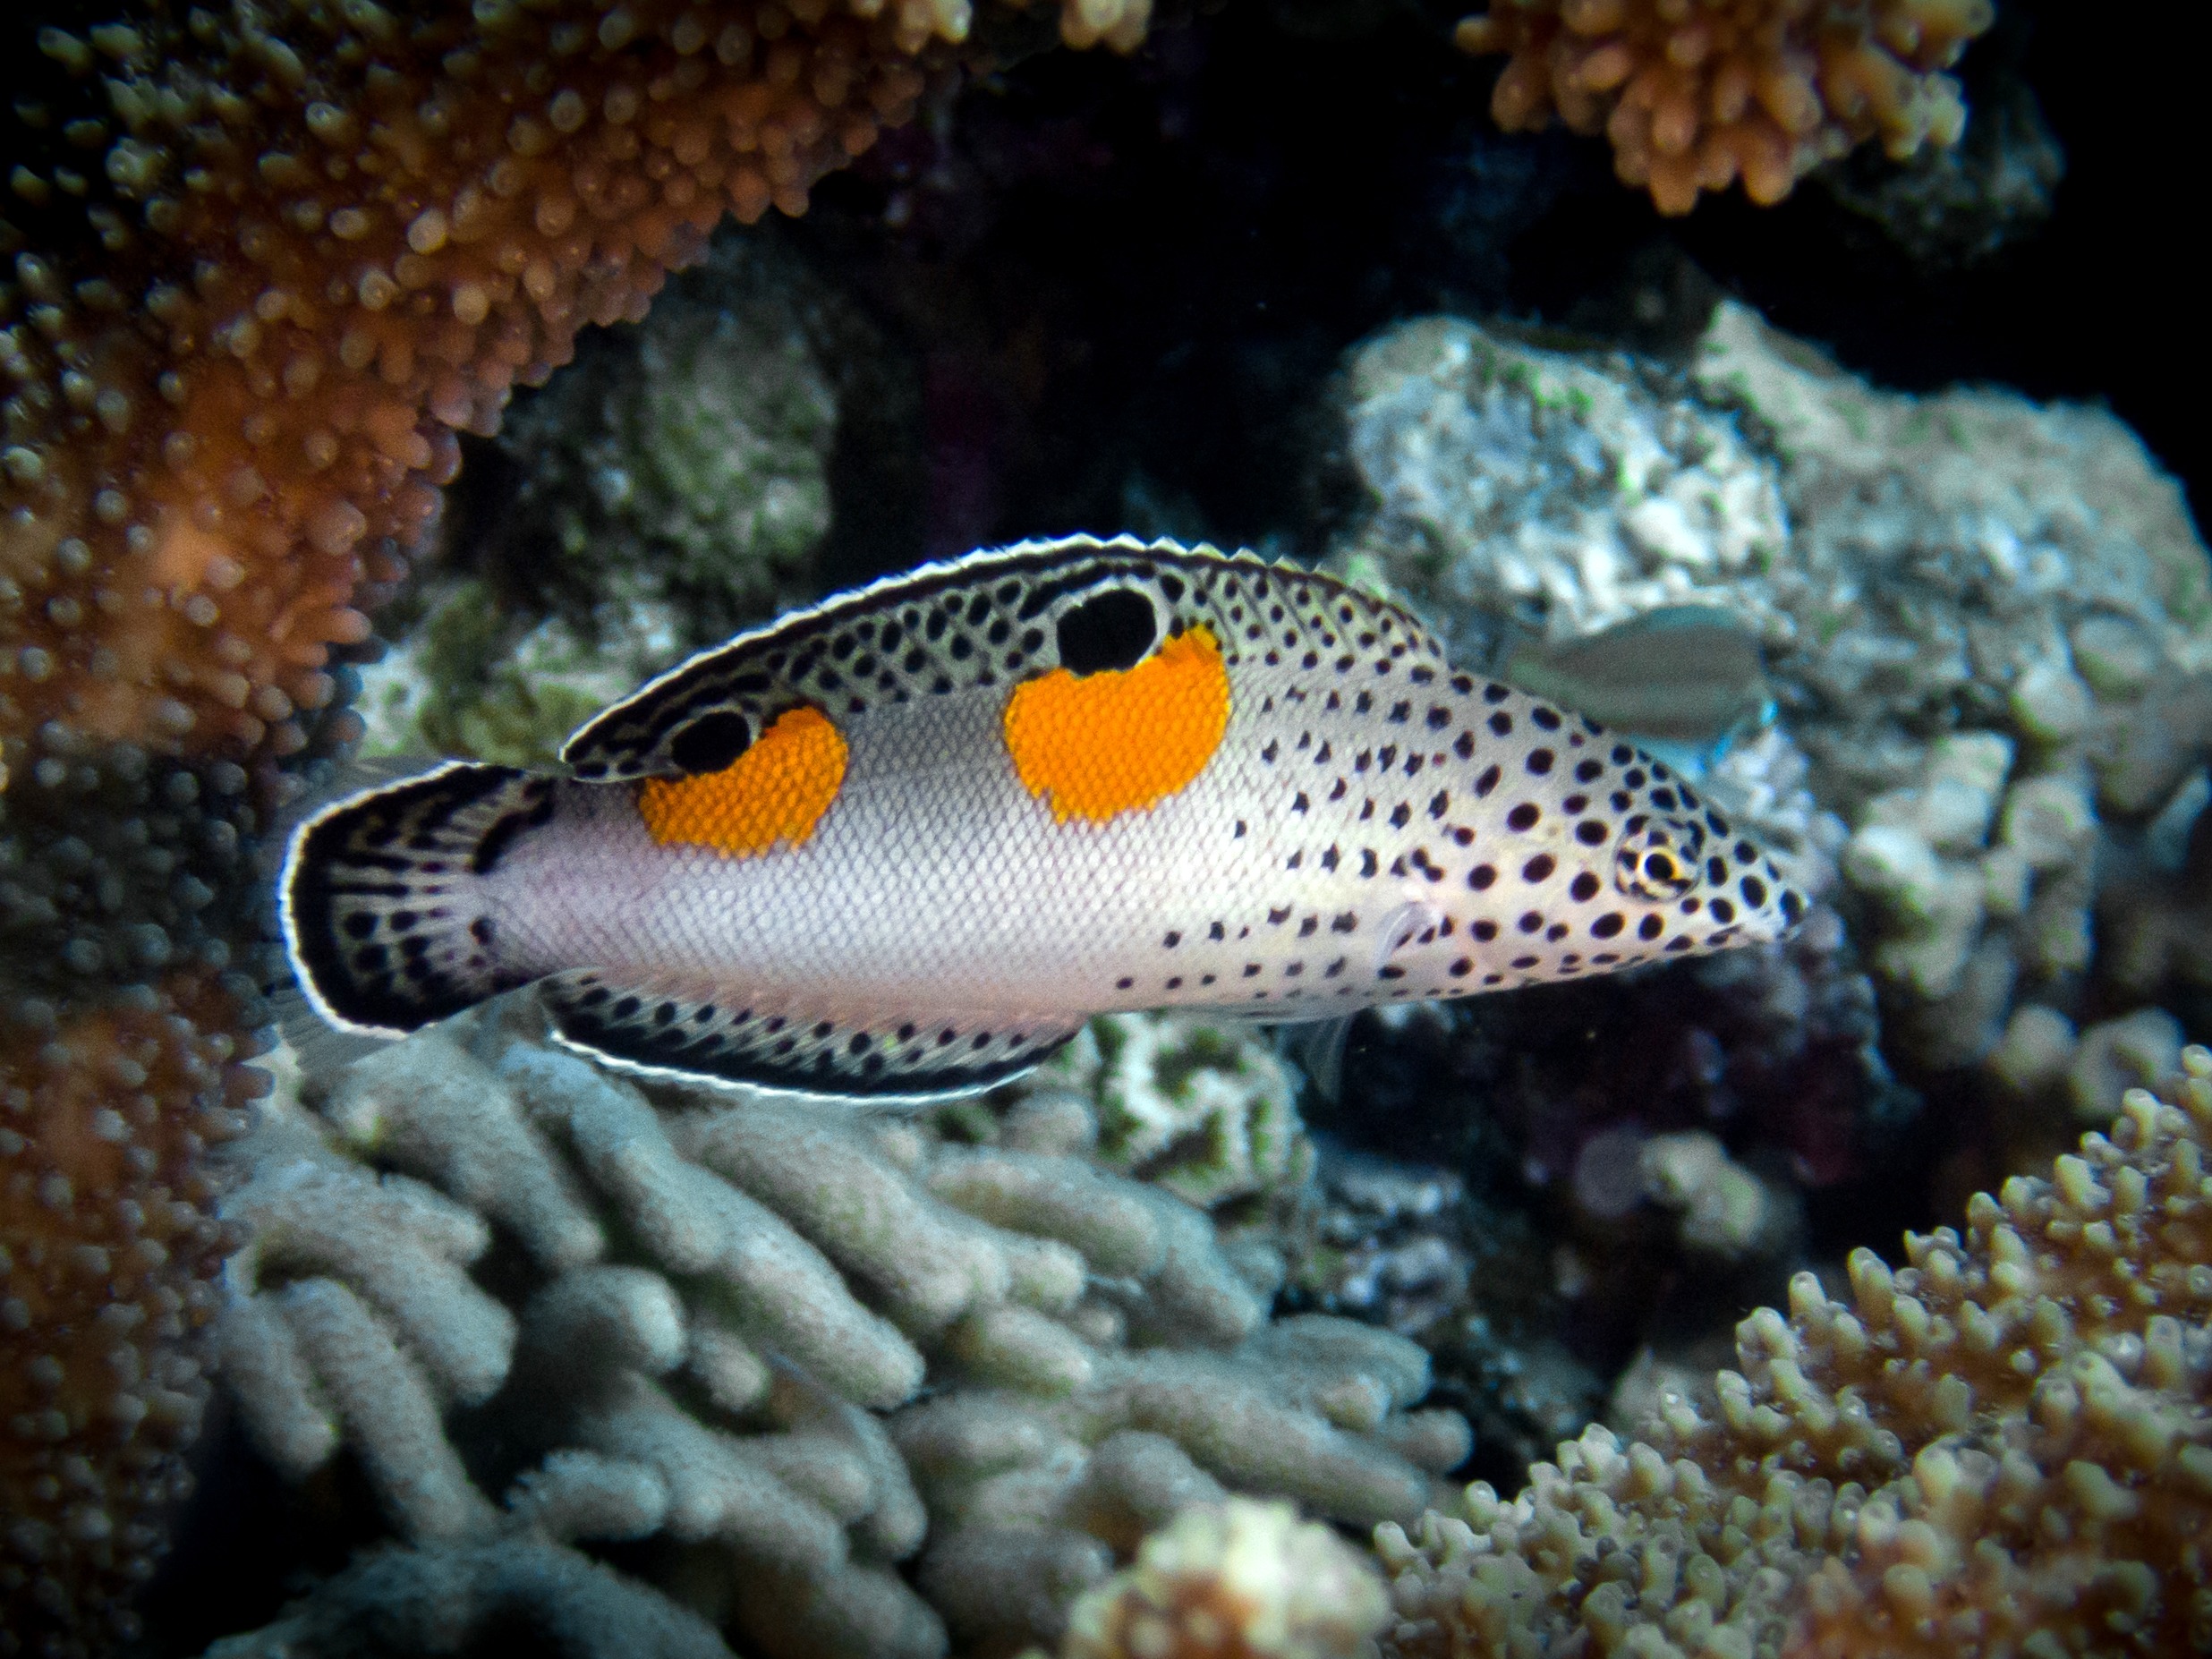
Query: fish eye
[(1659, 861), (712, 742), (1110, 629)]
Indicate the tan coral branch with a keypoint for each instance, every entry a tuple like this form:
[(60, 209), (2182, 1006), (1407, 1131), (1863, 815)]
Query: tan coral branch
[(2003, 1447), (1696, 95)]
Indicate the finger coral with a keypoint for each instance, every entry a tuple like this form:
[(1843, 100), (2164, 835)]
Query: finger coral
[(885, 1386), (2004, 1447), (1696, 95)]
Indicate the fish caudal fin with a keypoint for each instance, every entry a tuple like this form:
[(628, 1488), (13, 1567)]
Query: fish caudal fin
[(385, 912), (681, 1025)]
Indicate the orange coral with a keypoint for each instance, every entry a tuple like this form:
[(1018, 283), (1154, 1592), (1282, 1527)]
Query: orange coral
[(109, 1254), (2004, 1448), (1698, 94), (335, 244)]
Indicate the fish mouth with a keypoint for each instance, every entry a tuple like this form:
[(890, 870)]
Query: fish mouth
[(1680, 863), (1658, 860)]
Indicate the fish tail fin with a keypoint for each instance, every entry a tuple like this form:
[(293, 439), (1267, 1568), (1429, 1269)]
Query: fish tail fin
[(386, 914)]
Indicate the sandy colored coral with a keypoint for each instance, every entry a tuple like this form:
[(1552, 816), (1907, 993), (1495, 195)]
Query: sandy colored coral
[(2004, 1447), (1696, 95), (1240, 1580)]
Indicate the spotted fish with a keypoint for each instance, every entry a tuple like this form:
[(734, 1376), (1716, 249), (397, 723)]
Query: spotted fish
[(905, 843)]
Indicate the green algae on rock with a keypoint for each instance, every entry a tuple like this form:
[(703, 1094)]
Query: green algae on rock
[(667, 488)]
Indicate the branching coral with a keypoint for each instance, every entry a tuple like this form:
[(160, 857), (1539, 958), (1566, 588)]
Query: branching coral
[(1698, 94), (2005, 1447), (804, 1347)]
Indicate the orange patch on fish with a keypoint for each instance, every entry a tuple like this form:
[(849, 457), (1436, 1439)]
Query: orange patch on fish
[(1103, 743), (776, 791)]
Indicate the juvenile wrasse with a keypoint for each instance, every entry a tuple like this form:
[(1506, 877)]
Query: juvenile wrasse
[(905, 843)]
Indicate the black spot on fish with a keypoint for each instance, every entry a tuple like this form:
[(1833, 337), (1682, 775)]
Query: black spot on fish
[(1592, 832), (1488, 781), (1609, 924), (1502, 723), (1539, 760), (1539, 868), (1484, 931), (1650, 927), (1548, 719), (1583, 888), (1754, 891), (1523, 817)]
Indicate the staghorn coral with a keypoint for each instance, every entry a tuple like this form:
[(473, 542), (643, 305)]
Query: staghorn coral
[(1696, 95), (1242, 1581), (2004, 1447), (785, 1345)]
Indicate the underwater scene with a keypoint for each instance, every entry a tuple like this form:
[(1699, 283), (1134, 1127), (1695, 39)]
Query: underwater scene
[(1103, 829)]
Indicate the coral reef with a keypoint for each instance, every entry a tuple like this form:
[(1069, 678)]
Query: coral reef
[(1988, 625), (787, 1342), (1697, 97), (666, 488), (2004, 1447), (1242, 1579), (264, 267)]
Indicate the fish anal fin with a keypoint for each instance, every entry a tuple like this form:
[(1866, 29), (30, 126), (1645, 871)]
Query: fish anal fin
[(682, 1026)]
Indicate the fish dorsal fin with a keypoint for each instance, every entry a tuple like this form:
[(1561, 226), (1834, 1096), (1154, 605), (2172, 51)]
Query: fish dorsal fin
[(995, 617), (681, 1027)]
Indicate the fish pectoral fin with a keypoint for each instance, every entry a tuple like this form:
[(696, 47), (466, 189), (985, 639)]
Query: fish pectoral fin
[(1316, 1048), (685, 1027)]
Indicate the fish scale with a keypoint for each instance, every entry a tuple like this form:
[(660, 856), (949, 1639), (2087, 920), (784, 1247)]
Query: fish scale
[(905, 843)]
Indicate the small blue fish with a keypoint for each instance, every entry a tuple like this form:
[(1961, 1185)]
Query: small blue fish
[(905, 843)]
